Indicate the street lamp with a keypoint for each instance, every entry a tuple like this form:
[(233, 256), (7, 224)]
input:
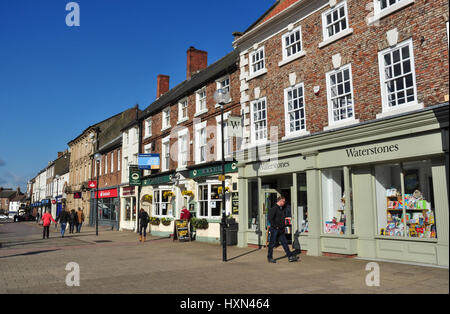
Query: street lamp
[(222, 96), (97, 158)]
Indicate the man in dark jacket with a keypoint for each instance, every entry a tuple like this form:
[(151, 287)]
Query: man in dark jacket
[(276, 218), (63, 219), (143, 222)]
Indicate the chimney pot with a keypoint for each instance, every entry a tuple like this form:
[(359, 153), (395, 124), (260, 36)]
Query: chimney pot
[(197, 60), (162, 85)]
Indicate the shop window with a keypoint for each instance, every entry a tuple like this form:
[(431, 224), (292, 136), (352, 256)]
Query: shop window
[(210, 201), (253, 205), (161, 203), (337, 202), (127, 209), (405, 200)]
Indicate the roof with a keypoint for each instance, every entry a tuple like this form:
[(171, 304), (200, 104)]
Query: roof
[(197, 80), (7, 193)]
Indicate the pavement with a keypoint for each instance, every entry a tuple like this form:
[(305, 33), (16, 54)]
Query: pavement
[(115, 262)]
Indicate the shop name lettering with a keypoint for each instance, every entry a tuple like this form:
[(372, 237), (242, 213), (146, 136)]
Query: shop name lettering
[(353, 152), (272, 166)]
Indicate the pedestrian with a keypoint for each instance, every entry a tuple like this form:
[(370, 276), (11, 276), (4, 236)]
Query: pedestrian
[(46, 221), (37, 217), (277, 220), (143, 222), (185, 214), (63, 219), (80, 219), (72, 220)]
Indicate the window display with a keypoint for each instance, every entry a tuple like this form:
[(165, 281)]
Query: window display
[(405, 200), (161, 204), (210, 200), (336, 213)]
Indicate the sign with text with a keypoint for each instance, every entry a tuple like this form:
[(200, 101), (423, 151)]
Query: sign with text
[(234, 126), (149, 161), (181, 232), (107, 193), (92, 184), (135, 176)]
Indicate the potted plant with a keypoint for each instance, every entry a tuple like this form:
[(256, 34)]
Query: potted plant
[(219, 190), (166, 221), (154, 221), (199, 223), (188, 193)]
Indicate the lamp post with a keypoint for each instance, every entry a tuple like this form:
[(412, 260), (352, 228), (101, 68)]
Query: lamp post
[(97, 158), (222, 96)]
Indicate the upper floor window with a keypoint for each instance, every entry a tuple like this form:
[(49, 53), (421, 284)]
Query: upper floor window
[(384, 4), (148, 127), (398, 79), (183, 110), (165, 153), (200, 142), (340, 95), (257, 61), (183, 148), (335, 20), (295, 109), (224, 83), (259, 120), (292, 43), (166, 118), (201, 100), (384, 8)]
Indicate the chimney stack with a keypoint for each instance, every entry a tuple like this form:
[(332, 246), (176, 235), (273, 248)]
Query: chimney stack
[(197, 60), (162, 85), (60, 154)]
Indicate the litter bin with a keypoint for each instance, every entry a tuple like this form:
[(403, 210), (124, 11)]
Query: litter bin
[(232, 233)]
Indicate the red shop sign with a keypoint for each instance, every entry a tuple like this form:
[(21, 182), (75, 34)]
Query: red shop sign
[(107, 193), (92, 184)]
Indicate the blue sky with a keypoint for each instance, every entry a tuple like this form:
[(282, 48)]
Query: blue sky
[(57, 80)]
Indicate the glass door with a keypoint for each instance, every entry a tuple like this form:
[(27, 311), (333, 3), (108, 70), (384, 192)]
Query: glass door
[(269, 199)]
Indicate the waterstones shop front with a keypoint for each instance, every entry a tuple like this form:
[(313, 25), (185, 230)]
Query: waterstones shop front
[(199, 190), (376, 190)]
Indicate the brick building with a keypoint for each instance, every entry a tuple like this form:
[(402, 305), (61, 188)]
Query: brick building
[(183, 126), (352, 99)]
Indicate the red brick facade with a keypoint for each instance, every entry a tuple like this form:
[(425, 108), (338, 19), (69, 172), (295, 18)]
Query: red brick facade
[(423, 21)]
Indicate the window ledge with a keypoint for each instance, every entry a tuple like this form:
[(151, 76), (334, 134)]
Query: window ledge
[(182, 120), (379, 15), (336, 37), (200, 113), (295, 135), (292, 58), (402, 109), (340, 125), (165, 128), (256, 74), (146, 137), (431, 240)]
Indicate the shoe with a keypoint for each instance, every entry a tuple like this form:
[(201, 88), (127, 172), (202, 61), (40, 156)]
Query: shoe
[(144, 239), (271, 260), (140, 238), (293, 258)]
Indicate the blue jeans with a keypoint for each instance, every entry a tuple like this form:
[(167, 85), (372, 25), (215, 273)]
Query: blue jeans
[(63, 229), (79, 227), (274, 236)]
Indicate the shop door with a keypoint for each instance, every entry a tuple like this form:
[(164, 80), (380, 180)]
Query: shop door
[(268, 199)]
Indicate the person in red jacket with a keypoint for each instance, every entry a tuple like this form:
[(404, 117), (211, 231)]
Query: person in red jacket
[(46, 221), (185, 214)]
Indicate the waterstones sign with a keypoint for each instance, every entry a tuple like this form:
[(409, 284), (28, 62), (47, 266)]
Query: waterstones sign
[(371, 151)]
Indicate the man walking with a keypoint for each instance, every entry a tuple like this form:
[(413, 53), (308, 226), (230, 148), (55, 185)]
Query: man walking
[(63, 218), (276, 218), (80, 219)]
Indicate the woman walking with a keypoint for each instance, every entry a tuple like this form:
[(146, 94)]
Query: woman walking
[(46, 221), (143, 222), (72, 220)]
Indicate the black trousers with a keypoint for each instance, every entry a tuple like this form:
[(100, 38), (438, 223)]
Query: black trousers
[(71, 227), (141, 227), (274, 236), (46, 232)]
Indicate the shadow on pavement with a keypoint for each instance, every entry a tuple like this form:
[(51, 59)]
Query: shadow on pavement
[(31, 253), (233, 258)]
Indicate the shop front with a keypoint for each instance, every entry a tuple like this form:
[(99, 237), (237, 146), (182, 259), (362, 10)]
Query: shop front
[(46, 205), (376, 190), (128, 205), (108, 207)]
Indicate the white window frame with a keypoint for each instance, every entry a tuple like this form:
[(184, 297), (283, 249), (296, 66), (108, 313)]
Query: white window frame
[(220, 85), (302, 131), (379, 13), (118, 160), (165, 164), (199, 143), (147, 150), (112, 161), (148, 127), (407, 106), (349, 120), (165, 119), (252, 120), (183, 150), (106, 164), (327, 39), (209, 200), (228, 140), (199, 100), (183, 106), (285, 49), (263, 60), (160, 190)]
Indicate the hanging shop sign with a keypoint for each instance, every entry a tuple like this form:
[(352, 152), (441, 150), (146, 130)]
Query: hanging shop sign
[(149, 161), (234, 126), (135, 176), (77, 195), (127, 191), (92, 184)]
